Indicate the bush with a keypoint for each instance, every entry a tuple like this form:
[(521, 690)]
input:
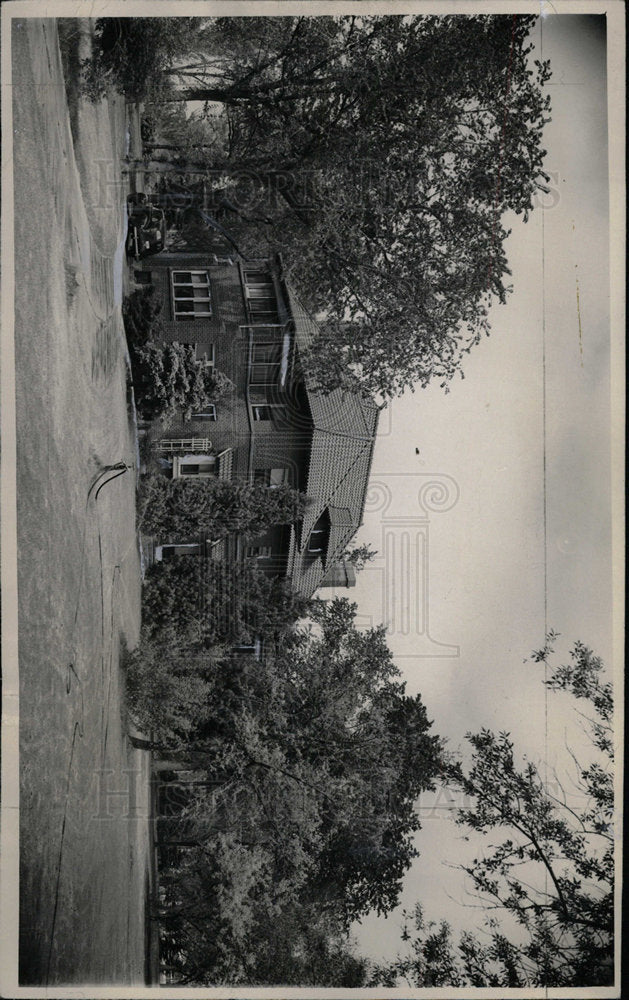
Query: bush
[(169, 685), (217, 602), (141, 314), (177, 508), (168, 378)]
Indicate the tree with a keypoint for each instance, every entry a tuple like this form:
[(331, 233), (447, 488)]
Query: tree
[(168, 684), (330, 735), (129, 53), (379, 155), (142, 317), (179, 508), (311, 760), (168, 378), (218, 602), (550, 874)]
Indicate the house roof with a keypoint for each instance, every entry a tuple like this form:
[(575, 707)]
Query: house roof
[(344, 432)]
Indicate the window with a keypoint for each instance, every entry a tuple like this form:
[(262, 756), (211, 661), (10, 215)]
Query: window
[(191, 295), (266, 353), (261, 297), (185, 444), (265, 364), (195, 468), (271, 477), (209, 413), (258, 278), (268, 411), (259, 551), (317, 540), (165, 552), (205, 354), (320, 535)]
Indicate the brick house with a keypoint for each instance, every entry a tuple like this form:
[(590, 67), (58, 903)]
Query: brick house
[(245, 321)]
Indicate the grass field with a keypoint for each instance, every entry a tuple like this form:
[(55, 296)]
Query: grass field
[(84, 823)]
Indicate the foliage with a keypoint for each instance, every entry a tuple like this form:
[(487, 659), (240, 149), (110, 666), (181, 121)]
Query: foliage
[(317, 756), (241, 937), (215, 601), (551, 870), (379, 155), (168, 378), (359, 555), (168, 130), (177, 508), (168, 684), (141, 314), (129, 53)]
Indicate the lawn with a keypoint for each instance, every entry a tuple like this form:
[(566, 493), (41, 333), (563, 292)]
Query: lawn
[(84, 799)]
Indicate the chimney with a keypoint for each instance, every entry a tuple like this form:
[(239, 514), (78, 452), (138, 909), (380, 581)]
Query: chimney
[(340, 574)]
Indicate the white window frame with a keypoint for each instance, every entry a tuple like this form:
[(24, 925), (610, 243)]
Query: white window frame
[(209, 413), (322, 532), (268, 406), (191, 445), (273, 477), (272, 369), (259, 551), (159, 549), (266, 278), (257, 291), (180, 461), (205, 354), (174, 284)]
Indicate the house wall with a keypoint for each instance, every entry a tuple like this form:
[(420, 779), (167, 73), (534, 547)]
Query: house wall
[(282, 442), (221, 332), (255, 445)]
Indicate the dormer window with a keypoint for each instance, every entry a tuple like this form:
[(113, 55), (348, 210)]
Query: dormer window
[(317, 540), (319, 536)]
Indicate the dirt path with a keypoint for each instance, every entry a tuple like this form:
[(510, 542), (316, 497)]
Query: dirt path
[(84, 790)]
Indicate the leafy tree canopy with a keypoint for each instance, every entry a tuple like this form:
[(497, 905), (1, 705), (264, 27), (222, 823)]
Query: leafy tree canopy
[(548, 873), (177, 509), (167, 378), (313, 758), (380, 155)]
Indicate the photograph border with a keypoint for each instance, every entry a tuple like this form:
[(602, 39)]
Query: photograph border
[(615, 13)]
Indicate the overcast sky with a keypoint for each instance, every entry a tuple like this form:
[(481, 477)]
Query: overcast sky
[(488, 551)]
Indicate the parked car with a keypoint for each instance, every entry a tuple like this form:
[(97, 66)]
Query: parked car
[(146, 233)]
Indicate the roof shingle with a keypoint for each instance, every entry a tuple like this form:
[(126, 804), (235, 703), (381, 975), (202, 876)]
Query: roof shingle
[(344, 433)]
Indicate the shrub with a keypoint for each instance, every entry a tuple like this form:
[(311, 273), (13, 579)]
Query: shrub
[(169, 685), (141, 314), (218, 602), (177, 508), (168, 378)]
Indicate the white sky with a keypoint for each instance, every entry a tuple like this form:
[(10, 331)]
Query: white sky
[(486, 554)]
